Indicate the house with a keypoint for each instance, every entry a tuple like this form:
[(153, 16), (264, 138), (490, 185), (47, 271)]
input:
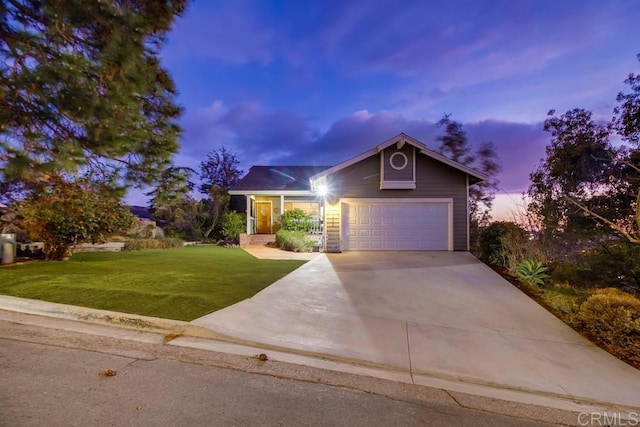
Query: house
[(399, 195)]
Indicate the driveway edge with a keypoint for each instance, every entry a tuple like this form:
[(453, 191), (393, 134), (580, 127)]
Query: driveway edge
[(466, 391)]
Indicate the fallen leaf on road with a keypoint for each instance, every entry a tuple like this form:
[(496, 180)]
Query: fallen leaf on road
[(171, 337), (108, 373)]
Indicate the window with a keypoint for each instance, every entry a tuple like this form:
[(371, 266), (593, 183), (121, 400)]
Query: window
[(310, 208)]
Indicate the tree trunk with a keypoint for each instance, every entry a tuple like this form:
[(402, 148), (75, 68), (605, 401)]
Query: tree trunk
[(57, 251)]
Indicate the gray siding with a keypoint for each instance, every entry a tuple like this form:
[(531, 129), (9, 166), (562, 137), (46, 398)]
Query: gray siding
[(406, 174), (433, 180)]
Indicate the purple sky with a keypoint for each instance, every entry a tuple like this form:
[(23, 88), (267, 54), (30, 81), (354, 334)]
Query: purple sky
[(317, 82)]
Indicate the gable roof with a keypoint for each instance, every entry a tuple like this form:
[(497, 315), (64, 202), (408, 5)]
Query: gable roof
[(281, 178), (405, 139), (299, 179)]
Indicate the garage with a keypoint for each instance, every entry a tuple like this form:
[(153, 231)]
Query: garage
[(398, 225), (397, 196)]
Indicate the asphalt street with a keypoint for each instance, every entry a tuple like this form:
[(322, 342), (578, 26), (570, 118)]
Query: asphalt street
[(54, 376)]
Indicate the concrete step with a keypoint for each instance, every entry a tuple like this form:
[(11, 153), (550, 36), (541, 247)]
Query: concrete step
[(262, 239)]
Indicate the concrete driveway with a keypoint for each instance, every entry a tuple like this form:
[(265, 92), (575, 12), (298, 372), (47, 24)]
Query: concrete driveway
[(433, 314)]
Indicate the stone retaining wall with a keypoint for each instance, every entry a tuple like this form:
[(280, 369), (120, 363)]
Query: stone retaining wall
[(99, 247)]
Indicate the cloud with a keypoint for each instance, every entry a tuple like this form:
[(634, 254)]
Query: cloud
[(359, 132), (256, 135), (320, 82), (262, 137), (520, 146)]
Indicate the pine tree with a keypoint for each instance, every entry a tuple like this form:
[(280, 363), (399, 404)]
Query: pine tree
[(81, 88)]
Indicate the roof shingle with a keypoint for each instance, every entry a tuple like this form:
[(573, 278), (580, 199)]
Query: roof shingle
[(289, 178)]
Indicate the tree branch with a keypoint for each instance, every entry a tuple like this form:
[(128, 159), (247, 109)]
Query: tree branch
[(631, 165), (611, 224)]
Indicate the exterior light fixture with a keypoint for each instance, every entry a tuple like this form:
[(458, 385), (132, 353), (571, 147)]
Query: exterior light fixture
[(323, 190)]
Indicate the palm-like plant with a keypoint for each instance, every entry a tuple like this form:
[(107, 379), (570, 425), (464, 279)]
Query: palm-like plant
[(532, 272)]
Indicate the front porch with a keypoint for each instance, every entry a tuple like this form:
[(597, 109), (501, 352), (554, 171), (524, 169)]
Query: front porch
[(247, 240), (264, 213)]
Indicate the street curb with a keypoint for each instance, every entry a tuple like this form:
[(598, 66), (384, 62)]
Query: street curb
[(110, 318), (167, 326)]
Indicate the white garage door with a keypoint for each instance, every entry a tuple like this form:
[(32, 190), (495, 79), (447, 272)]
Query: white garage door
[(385, 226)]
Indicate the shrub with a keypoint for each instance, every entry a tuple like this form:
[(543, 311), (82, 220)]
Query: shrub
[(613, 318), (296, 241), (492, 241), (64, 213), (142, 244), (233, 223), (532, 272), (610, 264), (562, 298), (566, 272), (296, 220)]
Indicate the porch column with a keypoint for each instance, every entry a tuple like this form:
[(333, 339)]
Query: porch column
[(248, 209), (281, 204), (332, 226)]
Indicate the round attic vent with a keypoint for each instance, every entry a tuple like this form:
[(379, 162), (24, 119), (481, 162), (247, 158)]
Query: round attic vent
[(398, 161)]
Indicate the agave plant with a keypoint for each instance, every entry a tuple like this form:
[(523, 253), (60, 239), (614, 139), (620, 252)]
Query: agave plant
[(532, 272)]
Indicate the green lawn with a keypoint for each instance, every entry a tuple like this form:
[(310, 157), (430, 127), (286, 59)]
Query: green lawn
[(182, 284)]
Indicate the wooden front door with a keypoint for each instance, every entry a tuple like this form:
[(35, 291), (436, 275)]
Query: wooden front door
[(263, 219)]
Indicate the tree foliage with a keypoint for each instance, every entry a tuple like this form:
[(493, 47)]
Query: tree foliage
[(219, 168), (81, 87), (216, 205), (492, 241), (186, 218), (627, 120), (180, 213), (578, 165), (192, 219), (173, 184), (455, 145), (66, 212), (612, 263), (202, 219), (586, 186)]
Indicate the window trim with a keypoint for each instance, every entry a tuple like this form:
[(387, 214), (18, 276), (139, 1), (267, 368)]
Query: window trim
[(409, 184)]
